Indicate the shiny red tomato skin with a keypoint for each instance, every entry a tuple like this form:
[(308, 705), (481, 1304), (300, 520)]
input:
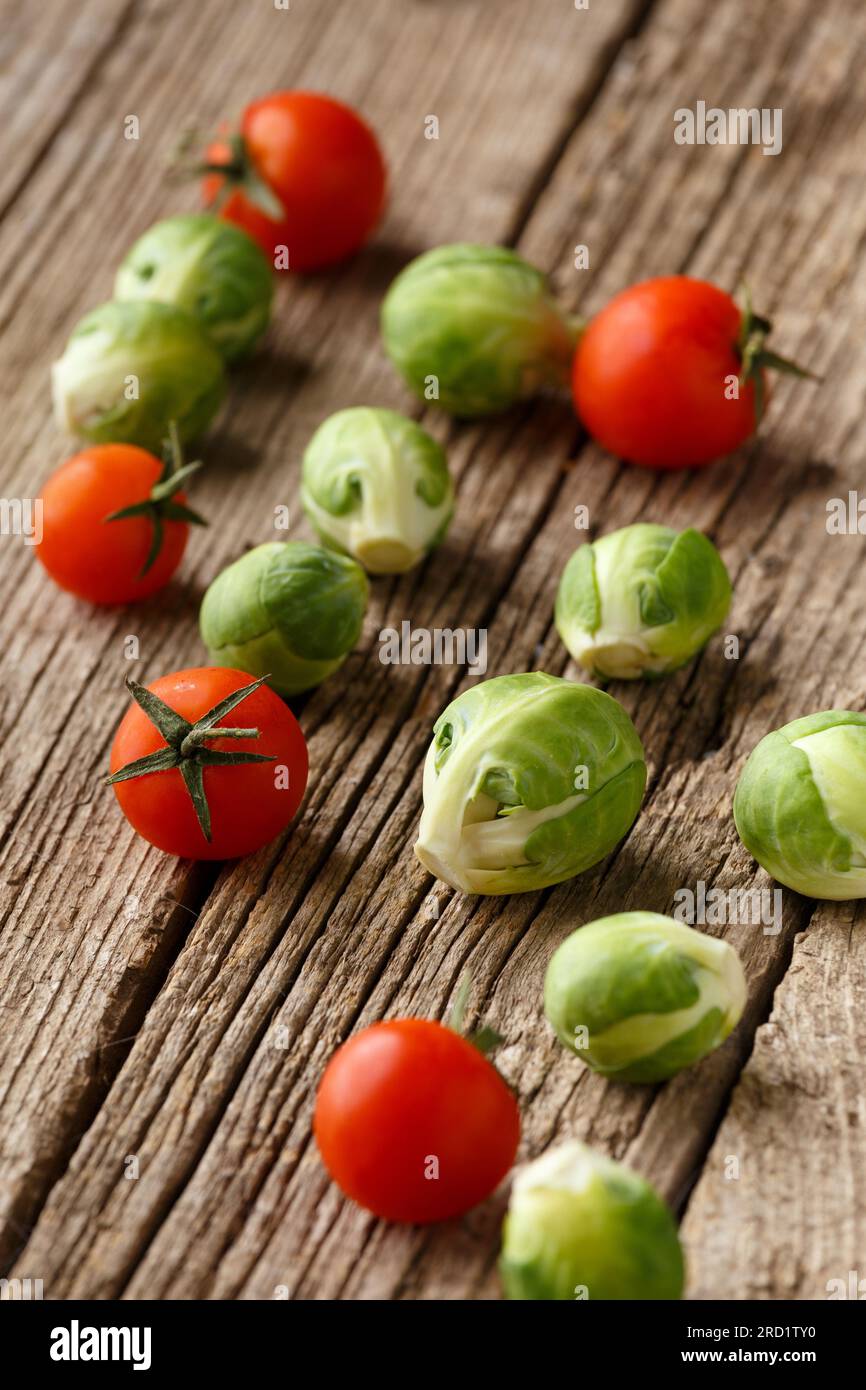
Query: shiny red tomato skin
[(401, 1094), (325, 166), (247, 808), (100, 560), (650, 375)]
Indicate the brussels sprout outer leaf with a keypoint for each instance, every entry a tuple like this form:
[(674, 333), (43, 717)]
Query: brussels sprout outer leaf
[(288, 674), (694, 589), (316, 600), (577, 599), (596, 826), (619, 971), (676, 1055)]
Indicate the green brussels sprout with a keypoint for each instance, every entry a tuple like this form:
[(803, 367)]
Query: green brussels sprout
[(639, 996), (377, 486), (481, 321), (129, 370), (209, 267), (580, 1226), (800, 807), (529, 780), (286, 610), (641, 601)]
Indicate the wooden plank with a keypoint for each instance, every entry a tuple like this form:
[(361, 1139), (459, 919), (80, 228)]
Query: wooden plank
[(88, 937), (46, 64), (206, 1089), (794, 1136)]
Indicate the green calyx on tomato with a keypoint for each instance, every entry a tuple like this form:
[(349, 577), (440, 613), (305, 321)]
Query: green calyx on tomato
[(756, 356), (238, 172), (186, 745), (161, 504)]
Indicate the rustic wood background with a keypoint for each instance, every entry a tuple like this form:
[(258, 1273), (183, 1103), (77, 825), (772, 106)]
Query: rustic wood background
[(184, 1014)]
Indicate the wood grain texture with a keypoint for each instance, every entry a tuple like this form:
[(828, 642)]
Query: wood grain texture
[(185, 1016), (793, 1136), (48, 57)]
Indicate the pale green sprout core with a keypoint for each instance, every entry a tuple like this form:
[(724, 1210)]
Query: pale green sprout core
[(377, 486), (580, 1226), (639, 996), (474, 329), (641, 601), (209, 267), (800, 805), (288, 611), (529, 780), (130, 370)]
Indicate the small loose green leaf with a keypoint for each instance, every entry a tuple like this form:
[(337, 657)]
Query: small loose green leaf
[(485, 1038)]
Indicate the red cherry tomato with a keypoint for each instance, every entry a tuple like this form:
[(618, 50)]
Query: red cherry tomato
[(249, 803), (413, 1122), (653, 373), (323, 164), (98, 559)]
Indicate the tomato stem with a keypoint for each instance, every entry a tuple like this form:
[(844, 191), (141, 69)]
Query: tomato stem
[(195, 738), (756, 357)]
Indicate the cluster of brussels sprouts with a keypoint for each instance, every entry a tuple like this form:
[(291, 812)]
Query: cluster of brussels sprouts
[(193, 294), (638, 996), (531, 779), (376, 488)]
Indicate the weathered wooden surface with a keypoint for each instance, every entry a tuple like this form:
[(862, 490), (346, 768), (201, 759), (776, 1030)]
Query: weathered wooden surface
[(185, 1015), (795, 1126)]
